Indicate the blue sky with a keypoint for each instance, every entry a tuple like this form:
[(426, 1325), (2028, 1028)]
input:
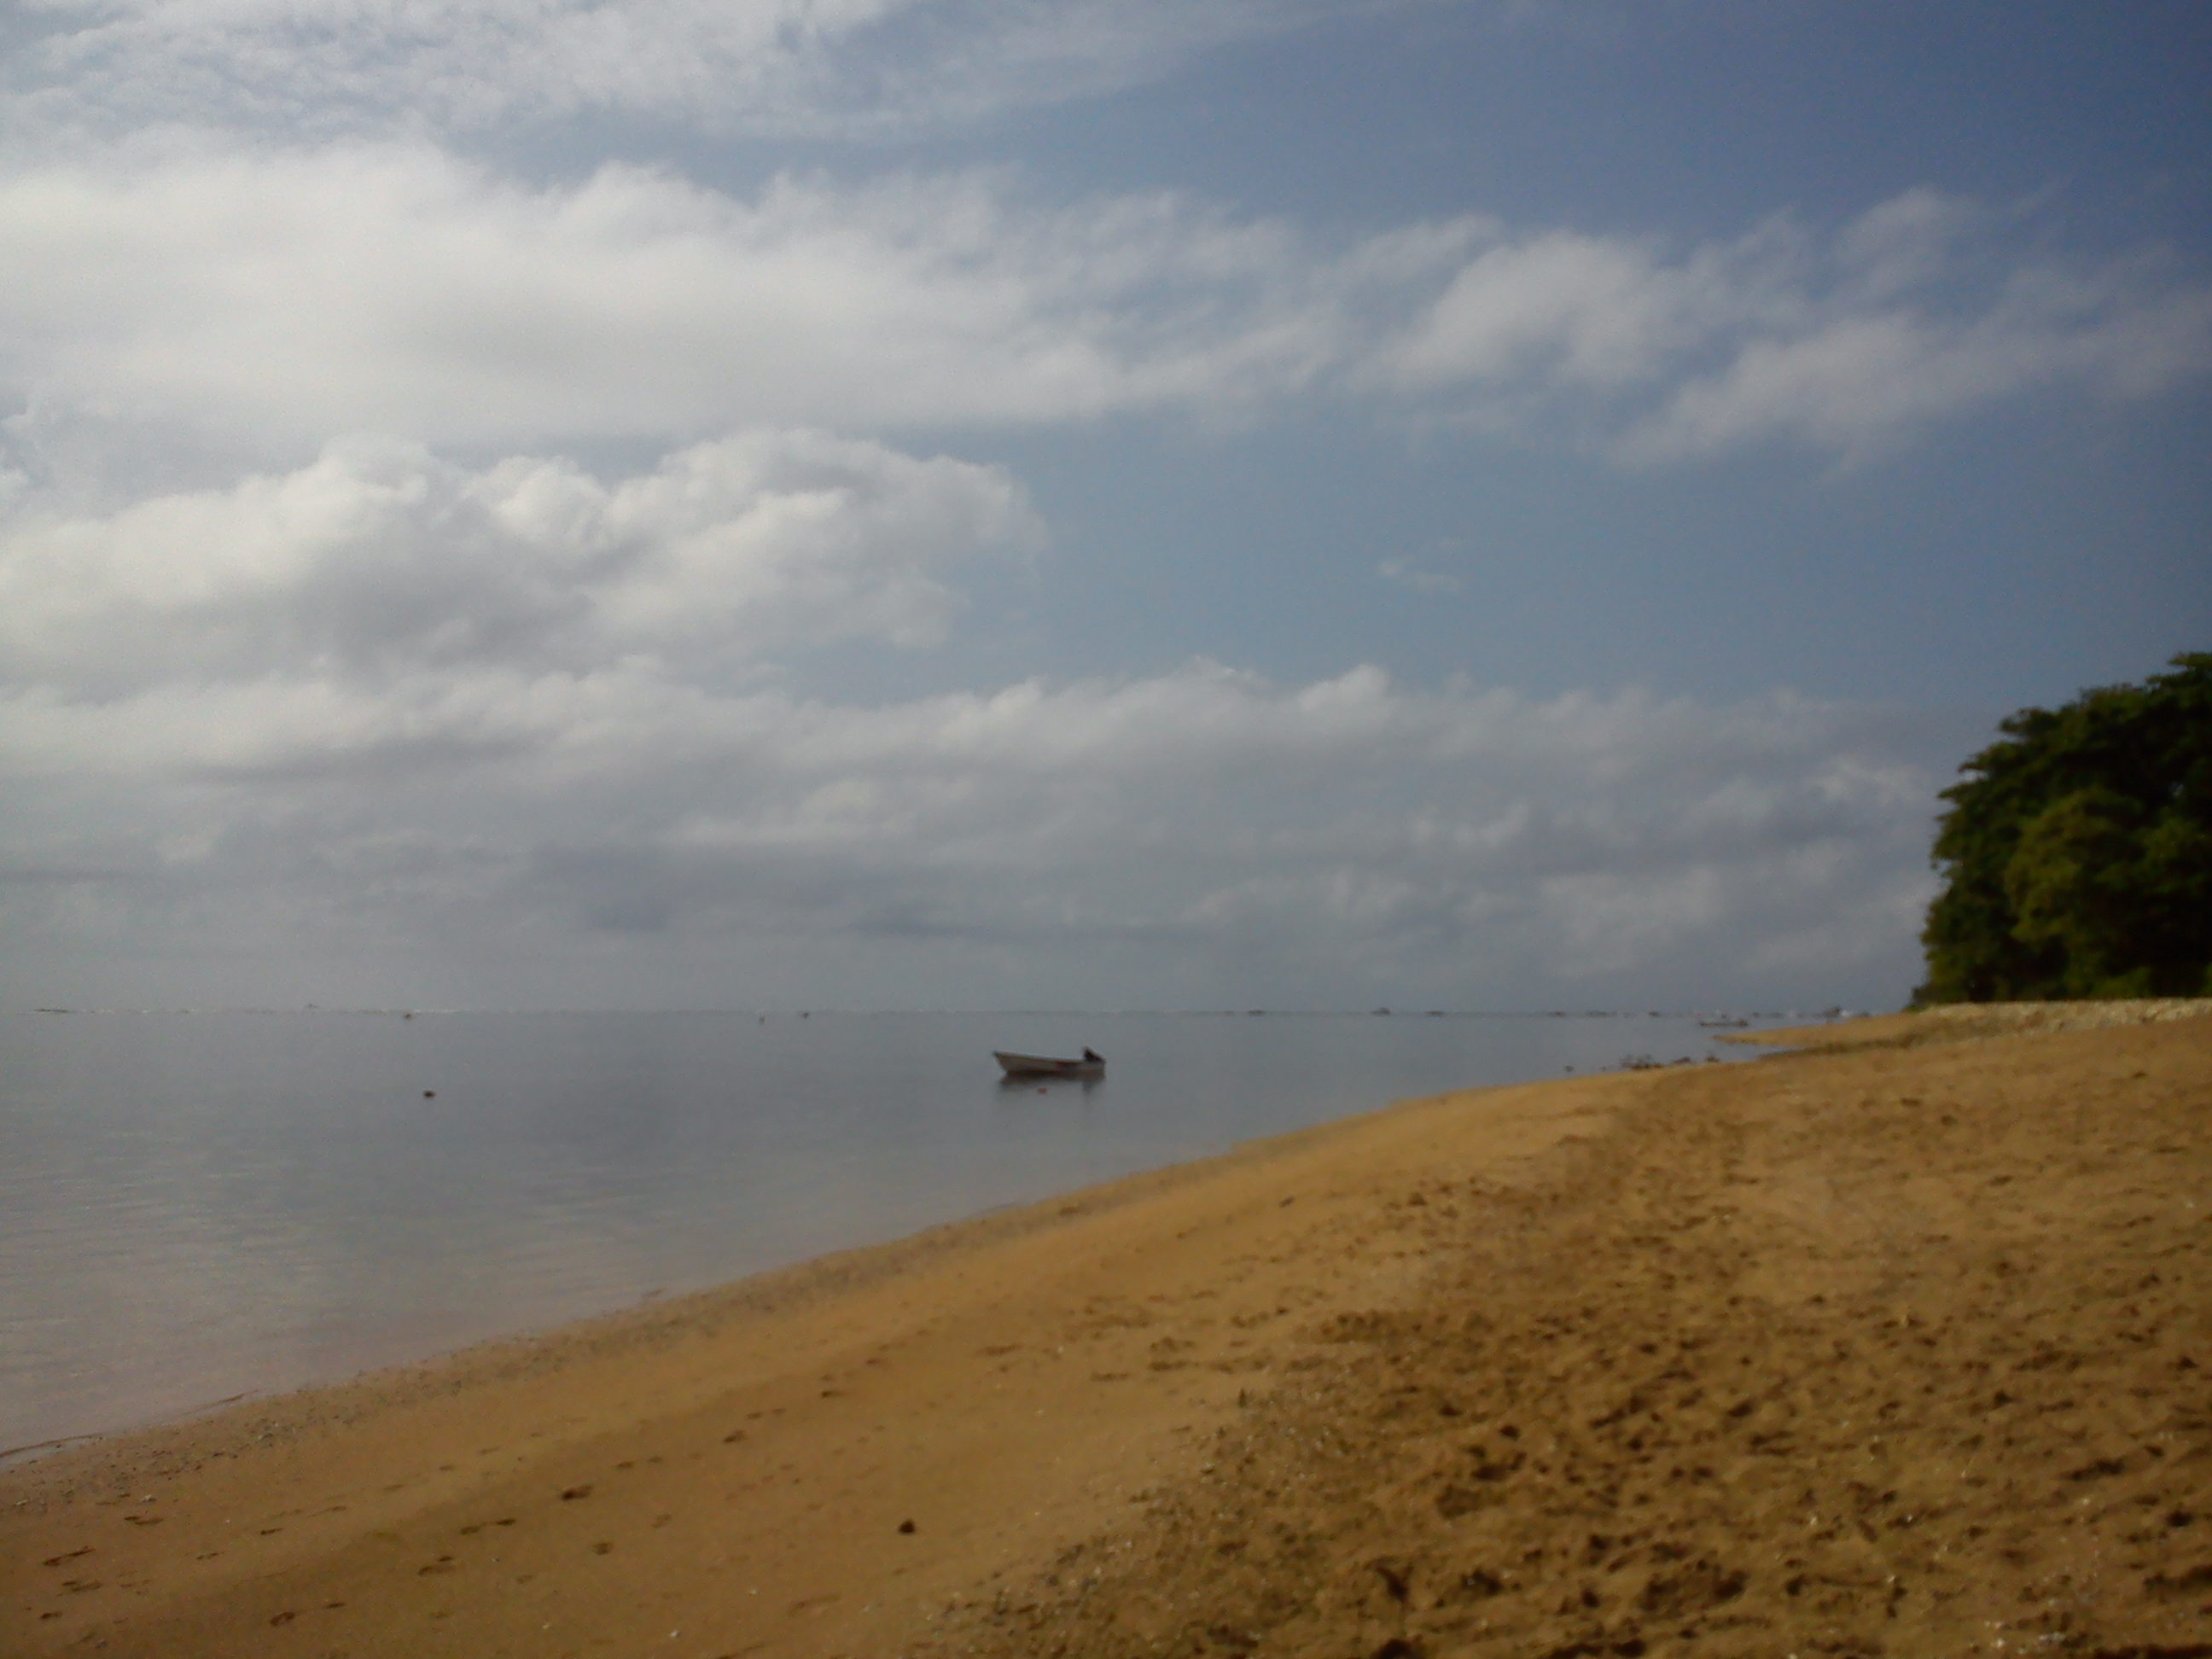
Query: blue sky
[(995, 502)]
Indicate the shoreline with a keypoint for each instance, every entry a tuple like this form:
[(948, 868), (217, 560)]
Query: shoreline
[(1014, 1385), (767, 1293), (783, 1361), (641, 1324), (323, 1243)]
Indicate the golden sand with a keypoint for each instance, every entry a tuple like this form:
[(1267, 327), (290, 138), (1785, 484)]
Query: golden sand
[(1902, 1348)]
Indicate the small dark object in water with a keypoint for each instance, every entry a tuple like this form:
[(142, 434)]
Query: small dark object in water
[(1093, 1064), (430, 1094)]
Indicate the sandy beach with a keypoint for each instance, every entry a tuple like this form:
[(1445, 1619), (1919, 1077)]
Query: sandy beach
[(1899, 1343)]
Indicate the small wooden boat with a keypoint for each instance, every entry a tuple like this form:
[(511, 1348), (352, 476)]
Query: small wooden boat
[(1092, 1064)]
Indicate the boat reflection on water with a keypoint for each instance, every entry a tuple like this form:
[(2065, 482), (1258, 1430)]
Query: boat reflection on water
[(1022, 1085)]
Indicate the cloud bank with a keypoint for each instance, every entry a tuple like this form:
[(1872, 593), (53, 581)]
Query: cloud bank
[(242, 298), (385, 707)]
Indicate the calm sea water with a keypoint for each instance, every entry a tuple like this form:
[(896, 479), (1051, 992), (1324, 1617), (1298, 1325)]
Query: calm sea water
[(198, 1206)]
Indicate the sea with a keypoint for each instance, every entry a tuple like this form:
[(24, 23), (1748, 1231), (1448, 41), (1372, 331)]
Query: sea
[(197, 1207)]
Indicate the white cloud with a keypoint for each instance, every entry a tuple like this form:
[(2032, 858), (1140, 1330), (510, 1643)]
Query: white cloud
[(398, 289), (1859, 380), (779, 68), (385, 707), (379, 562), (1320, 839), (1914, 312), (1565, 309), (1908, 240), (239, 301)]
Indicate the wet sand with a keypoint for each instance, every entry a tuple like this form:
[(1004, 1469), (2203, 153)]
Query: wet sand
[(1900, 1348)]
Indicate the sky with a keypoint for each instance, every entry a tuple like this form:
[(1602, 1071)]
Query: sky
[(1503, 504)]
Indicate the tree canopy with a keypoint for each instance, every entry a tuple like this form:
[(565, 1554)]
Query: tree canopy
[(2076, 853)]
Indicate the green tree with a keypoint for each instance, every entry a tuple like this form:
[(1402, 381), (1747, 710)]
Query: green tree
[(2076, 853)]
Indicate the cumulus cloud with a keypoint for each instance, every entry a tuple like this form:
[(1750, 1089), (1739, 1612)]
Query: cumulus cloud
[(379, 561), (851, 69), (241, 298)]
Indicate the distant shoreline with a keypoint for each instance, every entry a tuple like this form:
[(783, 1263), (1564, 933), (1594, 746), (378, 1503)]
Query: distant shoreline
[(1702, 1015)]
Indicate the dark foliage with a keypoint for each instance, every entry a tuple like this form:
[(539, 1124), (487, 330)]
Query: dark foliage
[(2076, 853)]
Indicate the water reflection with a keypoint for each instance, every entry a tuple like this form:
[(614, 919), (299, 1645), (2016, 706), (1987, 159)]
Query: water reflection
[(1022, 1085)]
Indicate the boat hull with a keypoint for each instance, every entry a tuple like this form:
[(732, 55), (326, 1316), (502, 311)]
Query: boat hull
[(1045, 1065)]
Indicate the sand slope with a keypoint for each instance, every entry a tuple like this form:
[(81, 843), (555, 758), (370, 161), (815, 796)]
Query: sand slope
[(1904, 1349), (1901, 1353)]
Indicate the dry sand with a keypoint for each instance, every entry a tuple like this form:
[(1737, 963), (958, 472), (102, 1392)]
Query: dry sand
[(1902, 1348)]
